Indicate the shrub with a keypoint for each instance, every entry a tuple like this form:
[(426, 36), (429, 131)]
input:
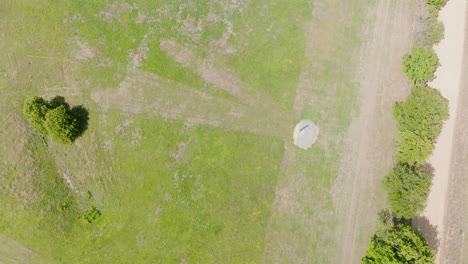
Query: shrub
[(435, 5), (92, 214), (402, 244), (435, 31), (408, 187), (61, 125), (384, 222), (35, 111), (420, 65)]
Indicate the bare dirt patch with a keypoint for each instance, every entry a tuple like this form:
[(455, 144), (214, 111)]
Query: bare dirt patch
[(86, 51), (212, 72)]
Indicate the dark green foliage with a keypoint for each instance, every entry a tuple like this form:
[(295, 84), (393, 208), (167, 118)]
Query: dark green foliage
[(420, 65), (419, 119), (56, 119), (401, 244), (408, 187), (92, 214), (435, 30), (61, 125), (35, 111)]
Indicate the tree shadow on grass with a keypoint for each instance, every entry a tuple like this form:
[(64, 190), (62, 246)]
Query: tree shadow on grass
[(82, 117), (79, 112), (429, 231), (59, 101)]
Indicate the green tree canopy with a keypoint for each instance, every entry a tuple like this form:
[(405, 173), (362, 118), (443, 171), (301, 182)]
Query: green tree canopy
[(61, 125), (408, 188), (35, 111), (413, 149), (420, 65), (400, 245), (419, 119), (56, 119)]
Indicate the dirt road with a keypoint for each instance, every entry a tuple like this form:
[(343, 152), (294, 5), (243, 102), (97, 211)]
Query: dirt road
[(448, 80)]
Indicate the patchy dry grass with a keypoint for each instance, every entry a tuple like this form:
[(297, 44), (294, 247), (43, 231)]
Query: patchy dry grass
[(190, 108)]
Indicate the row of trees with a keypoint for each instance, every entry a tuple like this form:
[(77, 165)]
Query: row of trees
[(419, 119), (55, 119)]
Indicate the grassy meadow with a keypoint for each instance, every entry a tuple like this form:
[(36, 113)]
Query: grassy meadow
[(192, 106)]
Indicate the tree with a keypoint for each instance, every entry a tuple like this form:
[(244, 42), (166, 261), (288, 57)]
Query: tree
[(413, 149), (408, 188), (420, 65), (401, 244), (56, 119), (419, 119), (61, 125), (35, 111)]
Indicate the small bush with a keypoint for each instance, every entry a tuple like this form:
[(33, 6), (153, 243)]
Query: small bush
[(91, 215), (401, 245), (435, 31), (420, 65), (436, 5), (61, 125), (384, 222), (408, 187)]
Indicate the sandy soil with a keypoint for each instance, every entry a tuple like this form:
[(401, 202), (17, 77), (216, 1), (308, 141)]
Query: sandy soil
[(448, 79), (454, 249)]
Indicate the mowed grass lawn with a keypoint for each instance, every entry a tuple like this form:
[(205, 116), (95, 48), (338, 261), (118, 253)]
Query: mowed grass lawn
[(170, 191)]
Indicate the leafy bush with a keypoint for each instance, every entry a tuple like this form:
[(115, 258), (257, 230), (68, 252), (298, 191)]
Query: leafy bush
[(35, 111), (402, 244), (92, 214), (420, 65), (408, 187), (435, 5), (384, 222), (435, 31), (56, 119), (419, 119), (61, 125)]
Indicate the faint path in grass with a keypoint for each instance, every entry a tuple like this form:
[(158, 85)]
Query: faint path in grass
[(302, 226), (13, 252), (369, 153), (145, 92), (323, 214)]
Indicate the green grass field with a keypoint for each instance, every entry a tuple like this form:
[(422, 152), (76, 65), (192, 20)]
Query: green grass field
[(183, 154)]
